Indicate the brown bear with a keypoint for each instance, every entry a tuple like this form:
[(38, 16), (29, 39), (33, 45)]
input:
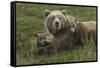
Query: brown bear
[(85, 30), (82, 31), (67, 31), (41, 42), (57, 24)]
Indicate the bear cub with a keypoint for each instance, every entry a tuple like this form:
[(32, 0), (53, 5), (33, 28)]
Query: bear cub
[(41, 42)]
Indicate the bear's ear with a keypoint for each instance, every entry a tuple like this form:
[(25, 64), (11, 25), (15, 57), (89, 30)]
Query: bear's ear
[(35, 34), (64, 12), (46, 34), (68, 24), (73, 28), (76, 20), (46, 12)]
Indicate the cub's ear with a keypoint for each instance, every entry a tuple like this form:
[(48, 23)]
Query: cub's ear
[(67, 23), (35, 34), (64, 12), (76, 21), (46, 12), (46, 34), (73, 27)]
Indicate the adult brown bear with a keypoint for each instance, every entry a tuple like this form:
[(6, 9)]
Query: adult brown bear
[(67, 30), (57, 24)]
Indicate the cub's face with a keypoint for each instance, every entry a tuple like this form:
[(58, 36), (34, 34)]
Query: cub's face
[(40, 37), (72, 22), (55, 20)]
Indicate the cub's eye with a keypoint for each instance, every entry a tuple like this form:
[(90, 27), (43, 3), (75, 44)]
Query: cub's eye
[(73, 26), (44, 38)]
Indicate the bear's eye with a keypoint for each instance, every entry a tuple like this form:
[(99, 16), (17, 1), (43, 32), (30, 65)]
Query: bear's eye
[(59, 18), (53, 17), (73, 25)]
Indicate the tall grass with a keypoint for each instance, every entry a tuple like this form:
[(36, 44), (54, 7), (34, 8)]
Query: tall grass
[(30, 19)]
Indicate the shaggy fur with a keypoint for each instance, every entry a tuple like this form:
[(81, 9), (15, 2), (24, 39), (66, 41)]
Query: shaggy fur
[(85, 30), (57, 24), (67, 30), (41, 42)]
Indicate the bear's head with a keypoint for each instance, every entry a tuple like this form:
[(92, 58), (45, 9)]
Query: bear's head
[(72, 23), (55, 20), (40, 37)]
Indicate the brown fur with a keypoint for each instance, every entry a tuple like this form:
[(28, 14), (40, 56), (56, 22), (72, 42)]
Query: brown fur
[(70, 31), (41, 42), (85, 30), (63, 37), (61, 41)]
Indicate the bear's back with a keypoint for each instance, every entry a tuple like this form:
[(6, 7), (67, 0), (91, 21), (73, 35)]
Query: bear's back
[(89, 25)]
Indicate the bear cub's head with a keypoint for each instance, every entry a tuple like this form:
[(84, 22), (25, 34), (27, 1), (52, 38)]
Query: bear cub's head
[(41, 40), (55, 20)]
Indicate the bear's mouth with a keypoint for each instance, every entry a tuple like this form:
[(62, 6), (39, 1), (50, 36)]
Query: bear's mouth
[(57, 26)]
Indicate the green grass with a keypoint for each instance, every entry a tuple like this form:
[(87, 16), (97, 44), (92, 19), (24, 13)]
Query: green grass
[(30, 18)]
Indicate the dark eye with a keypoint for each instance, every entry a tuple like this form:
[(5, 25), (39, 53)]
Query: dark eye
[(40, 38), (73, 25), (59, 18), (43, 38), (53, 17)]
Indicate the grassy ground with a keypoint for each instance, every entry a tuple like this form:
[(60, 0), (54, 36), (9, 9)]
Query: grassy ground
[(30, 18)]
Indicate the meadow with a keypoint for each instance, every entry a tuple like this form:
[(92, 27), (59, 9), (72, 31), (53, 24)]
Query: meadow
[(30, 19)]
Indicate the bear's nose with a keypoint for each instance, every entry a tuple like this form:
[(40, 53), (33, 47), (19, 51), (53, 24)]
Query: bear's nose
[(57, 23)]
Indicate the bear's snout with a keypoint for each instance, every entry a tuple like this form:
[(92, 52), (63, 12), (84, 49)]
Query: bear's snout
[(43, 41), (57, 24)]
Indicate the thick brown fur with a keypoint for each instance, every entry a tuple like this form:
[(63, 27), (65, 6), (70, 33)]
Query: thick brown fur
[(41, 42), (63, 41), (70, 30), (85, 30), (62, 37)]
